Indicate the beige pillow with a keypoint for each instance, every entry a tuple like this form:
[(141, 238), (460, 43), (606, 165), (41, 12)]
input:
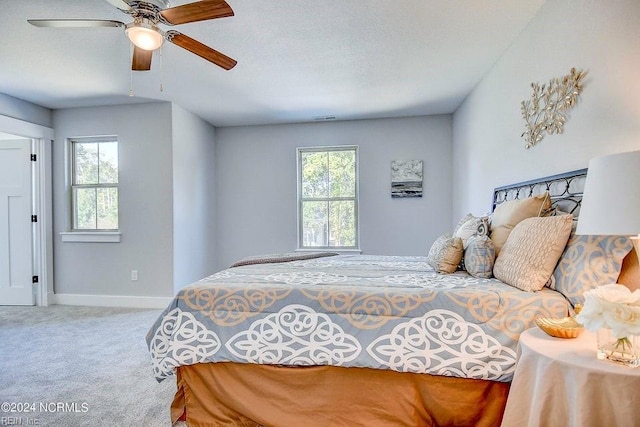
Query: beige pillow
[(532, 251), (445, 254), (508, 214)]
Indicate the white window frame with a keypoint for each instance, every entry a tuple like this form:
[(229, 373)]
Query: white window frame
[(84, 235), (316, 149)]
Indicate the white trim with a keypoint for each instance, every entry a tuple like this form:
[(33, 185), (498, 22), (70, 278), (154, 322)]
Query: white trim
[(25, 129), (69, 165), (112, 301), (322, 148), (42, 207), (91, 236), (336, 250), (42, 256)]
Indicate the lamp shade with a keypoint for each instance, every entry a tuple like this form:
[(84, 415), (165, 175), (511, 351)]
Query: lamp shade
[(611, 198), (144, 35)]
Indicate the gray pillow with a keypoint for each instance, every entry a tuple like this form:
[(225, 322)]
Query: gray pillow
[(479, 257), (588, 262)]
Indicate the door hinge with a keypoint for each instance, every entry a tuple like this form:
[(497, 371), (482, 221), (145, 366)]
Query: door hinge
[(33, 158), (34, 218), (34, 279)]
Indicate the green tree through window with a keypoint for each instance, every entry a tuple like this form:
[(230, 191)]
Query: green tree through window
[(94, 185), (328, 210)]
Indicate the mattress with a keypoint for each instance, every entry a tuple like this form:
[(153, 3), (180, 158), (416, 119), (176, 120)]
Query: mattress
[(381, 312)]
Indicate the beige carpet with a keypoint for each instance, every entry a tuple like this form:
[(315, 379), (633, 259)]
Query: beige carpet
[(79, 366)]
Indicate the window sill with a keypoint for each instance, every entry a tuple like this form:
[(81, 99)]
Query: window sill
[(91, 236), (336, 250)]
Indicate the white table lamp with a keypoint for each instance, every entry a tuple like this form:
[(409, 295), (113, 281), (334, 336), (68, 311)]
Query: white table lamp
[(611, 198)]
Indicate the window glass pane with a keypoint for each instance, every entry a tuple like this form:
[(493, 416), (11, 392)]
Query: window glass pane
[(85, 208), (86, 163), (315, 174), (108, 162), (315, 224), (342, 223), (342, 173), (107, 205)]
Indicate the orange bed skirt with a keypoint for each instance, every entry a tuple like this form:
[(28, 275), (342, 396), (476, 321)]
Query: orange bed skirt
[(233, 394)]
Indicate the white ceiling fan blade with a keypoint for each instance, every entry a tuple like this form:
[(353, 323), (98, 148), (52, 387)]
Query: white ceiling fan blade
[(120, 4), (74, 23)]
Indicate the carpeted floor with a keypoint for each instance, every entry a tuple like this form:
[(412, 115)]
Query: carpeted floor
[(79, 366)]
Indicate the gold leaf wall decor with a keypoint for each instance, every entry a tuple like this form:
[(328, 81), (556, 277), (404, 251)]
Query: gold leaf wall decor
[(547, 110)]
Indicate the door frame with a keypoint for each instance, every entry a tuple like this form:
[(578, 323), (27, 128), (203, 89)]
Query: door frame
[(42, 238)]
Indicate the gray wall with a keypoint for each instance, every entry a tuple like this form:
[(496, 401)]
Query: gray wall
[(256, 184), (601, 37), (193, 197), (146, 204), (23, 110)]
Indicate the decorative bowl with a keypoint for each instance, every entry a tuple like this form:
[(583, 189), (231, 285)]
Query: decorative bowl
[(566, 327)]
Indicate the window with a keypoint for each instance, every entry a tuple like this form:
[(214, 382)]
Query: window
[(94, 184), (328, 198)]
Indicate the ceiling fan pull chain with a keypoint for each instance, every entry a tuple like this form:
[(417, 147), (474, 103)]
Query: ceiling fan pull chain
[(161, 68), (131, 73)]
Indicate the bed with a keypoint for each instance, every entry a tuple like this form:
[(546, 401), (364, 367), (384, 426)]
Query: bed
[(326, 339)]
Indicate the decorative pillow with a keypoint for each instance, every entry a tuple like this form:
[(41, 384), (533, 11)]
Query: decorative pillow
[(473, 226), (445, 254), (508, 214), (479, 257), (588, 262), (532, 251), (464, 219)]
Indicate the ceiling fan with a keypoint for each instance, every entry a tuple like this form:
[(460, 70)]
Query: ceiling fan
[(145, 34)]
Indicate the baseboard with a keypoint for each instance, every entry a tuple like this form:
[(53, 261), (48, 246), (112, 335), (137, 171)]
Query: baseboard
[(111, 301)]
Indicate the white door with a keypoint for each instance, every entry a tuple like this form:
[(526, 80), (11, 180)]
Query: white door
[(16, 286)]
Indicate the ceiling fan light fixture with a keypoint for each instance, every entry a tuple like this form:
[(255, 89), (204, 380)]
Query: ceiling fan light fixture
[(144, 35)]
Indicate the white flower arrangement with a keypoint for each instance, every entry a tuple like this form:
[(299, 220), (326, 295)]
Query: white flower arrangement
[(614, 307)]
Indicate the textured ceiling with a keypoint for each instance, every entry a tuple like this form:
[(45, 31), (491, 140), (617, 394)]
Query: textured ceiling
[(297, 59)]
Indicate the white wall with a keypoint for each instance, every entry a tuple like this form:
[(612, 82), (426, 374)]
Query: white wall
[(256, 184), (194, 214), (599, 36), (146, 204), (23, 110)]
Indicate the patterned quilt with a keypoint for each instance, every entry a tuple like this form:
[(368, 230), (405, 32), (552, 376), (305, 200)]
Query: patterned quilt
[(355, 311)]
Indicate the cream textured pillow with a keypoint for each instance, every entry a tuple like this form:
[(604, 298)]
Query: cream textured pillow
[(445, 254), (508, 214), (479, 257), (532, 251)]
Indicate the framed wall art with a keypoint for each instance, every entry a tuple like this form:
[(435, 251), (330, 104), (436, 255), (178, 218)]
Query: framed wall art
[(406, 178)]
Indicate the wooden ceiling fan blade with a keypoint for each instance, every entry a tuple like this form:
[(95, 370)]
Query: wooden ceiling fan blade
[(74, 23), (201, 50), (120, 4), (198, 11), (141, 59)]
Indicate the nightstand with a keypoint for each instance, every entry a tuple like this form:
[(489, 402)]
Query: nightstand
[(560, 382)]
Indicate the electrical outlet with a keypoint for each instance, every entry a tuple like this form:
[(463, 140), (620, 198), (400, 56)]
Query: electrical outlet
[(134, 275)]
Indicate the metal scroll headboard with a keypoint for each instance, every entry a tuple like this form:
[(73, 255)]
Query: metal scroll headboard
[(565, 190)]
